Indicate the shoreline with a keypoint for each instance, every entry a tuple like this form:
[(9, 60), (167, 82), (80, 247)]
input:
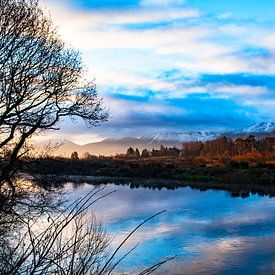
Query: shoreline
[(236, 190)]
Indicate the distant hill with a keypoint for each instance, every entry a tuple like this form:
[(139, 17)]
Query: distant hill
[(259, 128), (111, 146), (118, 146)]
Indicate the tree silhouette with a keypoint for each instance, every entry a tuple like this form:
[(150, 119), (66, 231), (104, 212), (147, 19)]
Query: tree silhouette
[(145, 153), (74, 156), (41, 82), (137, 153), (131, 152)]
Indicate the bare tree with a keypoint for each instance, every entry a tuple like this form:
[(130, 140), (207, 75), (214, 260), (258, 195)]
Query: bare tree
[(41, 81), (66, 242), (58, 243)]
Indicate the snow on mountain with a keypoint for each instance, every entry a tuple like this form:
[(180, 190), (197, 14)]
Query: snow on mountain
[(258, 128), (262, 127), (182, 136), (115, 146)]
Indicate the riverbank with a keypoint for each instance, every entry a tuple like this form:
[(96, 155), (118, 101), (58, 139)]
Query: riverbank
[(166, 168), (235, 190)]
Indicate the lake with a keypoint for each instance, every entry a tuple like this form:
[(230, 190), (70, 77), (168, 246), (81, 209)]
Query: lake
[(210, 232)]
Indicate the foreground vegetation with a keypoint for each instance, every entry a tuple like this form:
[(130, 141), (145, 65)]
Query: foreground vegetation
[(188, 170)]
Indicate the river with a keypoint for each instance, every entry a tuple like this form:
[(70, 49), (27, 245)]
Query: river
[(210, 232)]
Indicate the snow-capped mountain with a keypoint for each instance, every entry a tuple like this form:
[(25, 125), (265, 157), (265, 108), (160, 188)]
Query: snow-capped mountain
[(262, 127), (182, 136), (113, 146), (258, 128)]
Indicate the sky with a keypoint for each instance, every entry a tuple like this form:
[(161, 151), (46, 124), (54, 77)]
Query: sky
[(172, 65)]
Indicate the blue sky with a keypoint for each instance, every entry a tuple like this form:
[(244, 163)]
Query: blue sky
[(173, 65)]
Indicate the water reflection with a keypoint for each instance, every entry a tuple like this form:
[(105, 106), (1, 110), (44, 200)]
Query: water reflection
[(211, 232)]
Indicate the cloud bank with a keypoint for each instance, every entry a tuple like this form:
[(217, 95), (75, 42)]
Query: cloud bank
[(163, 64)]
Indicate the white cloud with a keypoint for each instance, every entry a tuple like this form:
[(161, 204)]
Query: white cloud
[(132, 81), (136, 84), (122, 56), (101, 31), (265, 106), (149, 3), (224, 16), (244, 90), (106, 18), (217, 64), (268, 41), (195, 48)]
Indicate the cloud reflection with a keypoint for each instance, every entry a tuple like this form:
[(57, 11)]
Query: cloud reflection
[(210, 232)]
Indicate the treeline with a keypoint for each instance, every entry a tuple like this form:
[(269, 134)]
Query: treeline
[(223, 160), (220, 147), (227, 147), (163, 151)]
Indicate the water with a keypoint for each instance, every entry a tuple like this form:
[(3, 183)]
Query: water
[(210, 232)]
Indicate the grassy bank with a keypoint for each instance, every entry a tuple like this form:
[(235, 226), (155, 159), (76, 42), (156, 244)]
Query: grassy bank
[(155, 173)]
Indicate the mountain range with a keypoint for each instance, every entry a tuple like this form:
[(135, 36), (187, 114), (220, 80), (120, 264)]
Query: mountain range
[(118, 146)]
